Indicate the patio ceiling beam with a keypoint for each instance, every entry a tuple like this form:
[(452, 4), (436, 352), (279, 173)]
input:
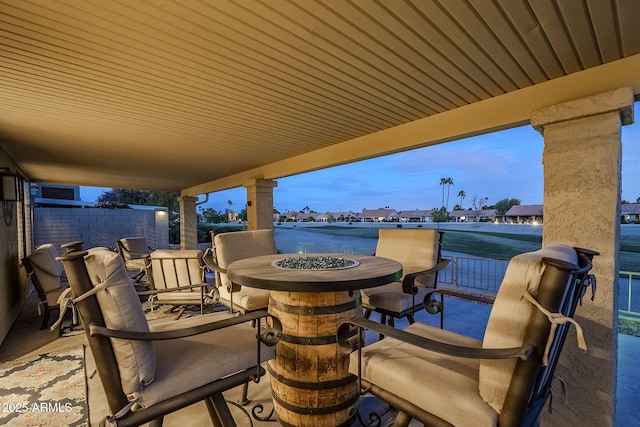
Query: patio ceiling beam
[(501, 112)]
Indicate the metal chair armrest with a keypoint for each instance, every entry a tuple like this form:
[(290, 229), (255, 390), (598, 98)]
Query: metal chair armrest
[(179, 288), (210, 262), (483, 299), (181, 332), (347, 343), (408, 283)]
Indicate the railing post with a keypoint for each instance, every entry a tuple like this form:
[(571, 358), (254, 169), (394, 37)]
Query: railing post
[(629, 292), (454, 271)]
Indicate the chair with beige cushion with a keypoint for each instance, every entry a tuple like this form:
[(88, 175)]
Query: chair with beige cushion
[(229, 247), (134, 250), (442, 378), (419, 252), (150, 371), (47, 276), (176, 276)]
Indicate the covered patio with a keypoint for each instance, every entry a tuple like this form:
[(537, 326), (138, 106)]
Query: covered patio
[(202, 97)]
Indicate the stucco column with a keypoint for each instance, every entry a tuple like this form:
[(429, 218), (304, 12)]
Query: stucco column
[(188, 222), (582, 164), (260, 203)]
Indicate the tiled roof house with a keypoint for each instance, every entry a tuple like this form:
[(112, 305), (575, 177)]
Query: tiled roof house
[(378, 215), (629, 212), (524, 213), (471, 215), (337, 216), (418, 215)]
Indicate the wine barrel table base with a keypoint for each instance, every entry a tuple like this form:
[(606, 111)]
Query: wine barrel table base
[(310, 379)]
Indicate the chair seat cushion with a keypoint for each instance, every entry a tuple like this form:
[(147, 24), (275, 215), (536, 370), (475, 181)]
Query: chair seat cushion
[(137, 264), (186, 363), (391, 298), (192, 297), (448, 385), (248, 299)]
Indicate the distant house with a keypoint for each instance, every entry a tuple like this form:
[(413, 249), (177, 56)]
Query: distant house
[(337, 216), (326, 217), (55, 195), (232, 216), (287, 216), (470, 215), (524, 214), (485, 215), (308, 217), (417, 215), (378, 215), (467, 215), (630, 213)]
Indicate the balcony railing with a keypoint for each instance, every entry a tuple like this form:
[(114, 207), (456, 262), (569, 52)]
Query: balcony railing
[(287, 247), (628, 284), (476, 275)]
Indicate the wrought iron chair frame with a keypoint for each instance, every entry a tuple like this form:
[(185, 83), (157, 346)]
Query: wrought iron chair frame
[(409, 287), (99, 339), (561, 289)]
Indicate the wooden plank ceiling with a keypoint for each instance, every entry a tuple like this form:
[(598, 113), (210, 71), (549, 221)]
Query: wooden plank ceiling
[(172, 94)]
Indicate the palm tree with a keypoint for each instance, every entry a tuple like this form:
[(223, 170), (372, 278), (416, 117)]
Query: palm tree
[(449, 182), (443, 182), (462, 195)]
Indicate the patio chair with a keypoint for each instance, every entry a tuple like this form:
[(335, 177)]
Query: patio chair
[(177, 277), (134, 250), (442, 378), (150, 371), (47, 276), (418, 250), (229, 247)]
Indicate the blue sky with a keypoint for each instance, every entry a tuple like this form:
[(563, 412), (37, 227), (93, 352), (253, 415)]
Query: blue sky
[(498, 165)]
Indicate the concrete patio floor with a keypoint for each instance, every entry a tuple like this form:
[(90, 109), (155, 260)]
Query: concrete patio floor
[(26, 339)]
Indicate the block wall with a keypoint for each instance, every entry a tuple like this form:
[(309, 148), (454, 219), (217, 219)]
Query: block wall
[(99, 227)]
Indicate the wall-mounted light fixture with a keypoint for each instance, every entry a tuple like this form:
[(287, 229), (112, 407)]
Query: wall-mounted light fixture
[(11, 188)]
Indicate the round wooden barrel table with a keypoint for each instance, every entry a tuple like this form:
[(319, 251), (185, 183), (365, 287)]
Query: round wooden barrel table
[(310, 379)]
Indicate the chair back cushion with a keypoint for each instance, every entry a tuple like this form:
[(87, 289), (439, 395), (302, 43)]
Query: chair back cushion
[(45, 267), (121, 310), (175, 268), (230, 247), (510, 316), (53, 253), (415, 249), (134, 247)]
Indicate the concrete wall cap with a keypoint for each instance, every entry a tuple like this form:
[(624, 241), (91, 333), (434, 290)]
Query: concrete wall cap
[(615, 100)]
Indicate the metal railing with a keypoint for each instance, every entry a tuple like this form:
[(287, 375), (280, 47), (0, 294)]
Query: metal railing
[(475, 274), (472, 274), (628, 307), (287, 247)]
